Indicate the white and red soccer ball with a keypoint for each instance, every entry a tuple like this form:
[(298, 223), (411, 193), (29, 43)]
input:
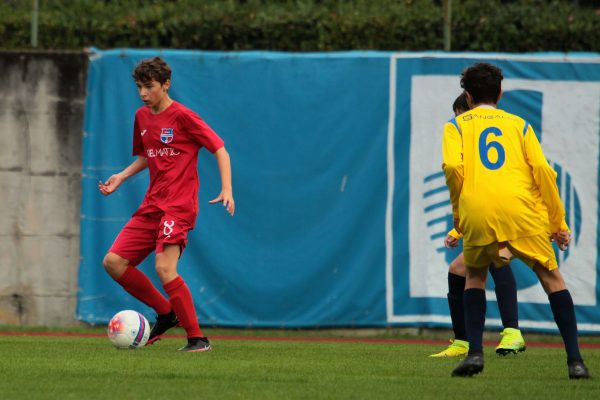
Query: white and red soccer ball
[(128, 329)]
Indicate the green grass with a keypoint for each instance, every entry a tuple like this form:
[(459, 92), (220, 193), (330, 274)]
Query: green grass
[(89, 368)]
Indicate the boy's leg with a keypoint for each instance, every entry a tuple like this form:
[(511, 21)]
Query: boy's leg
[(506, 294), (456, 289), (562, 307), (180, 296), (537, 252), (136, 283), (563, 310), (477, 259), (135, 241), (475, 307)]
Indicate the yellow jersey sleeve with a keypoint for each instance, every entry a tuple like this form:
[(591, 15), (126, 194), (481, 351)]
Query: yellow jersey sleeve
[(545, 179), (453, 162), (455, 234)]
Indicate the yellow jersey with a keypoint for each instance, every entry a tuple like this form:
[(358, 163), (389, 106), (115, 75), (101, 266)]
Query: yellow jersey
[(498, 178)]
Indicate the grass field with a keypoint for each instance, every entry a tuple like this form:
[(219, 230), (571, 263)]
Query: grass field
[(74, 367)]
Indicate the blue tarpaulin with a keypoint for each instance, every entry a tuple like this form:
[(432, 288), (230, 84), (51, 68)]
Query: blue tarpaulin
[(340, 206)]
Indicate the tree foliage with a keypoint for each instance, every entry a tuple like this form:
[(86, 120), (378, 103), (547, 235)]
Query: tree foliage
[(303, 25)]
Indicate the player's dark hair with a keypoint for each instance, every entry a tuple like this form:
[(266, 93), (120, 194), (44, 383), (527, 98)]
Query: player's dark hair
[(460, 105), (152, 69), (483, 81)]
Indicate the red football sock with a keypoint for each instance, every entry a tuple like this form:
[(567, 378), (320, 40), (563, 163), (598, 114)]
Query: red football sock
[(183, 305), (136, 283)]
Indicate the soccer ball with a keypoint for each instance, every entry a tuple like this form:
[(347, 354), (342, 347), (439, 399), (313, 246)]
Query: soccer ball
[(128, 329)]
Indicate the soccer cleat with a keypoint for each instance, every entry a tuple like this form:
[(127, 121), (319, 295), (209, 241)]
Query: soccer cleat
[(512, 342), (578, 370), (470, 366), (457, 348), (164, 322), (197, 345)]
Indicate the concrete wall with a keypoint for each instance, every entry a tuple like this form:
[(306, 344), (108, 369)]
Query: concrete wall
[(41, 121)]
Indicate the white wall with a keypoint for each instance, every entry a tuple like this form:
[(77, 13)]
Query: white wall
[(41, 115)]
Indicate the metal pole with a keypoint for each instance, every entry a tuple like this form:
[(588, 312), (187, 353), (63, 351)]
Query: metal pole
[(447, 24), (34, 23)]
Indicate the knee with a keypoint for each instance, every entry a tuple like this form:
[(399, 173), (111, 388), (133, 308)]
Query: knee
[(165, 272), (552, 285), (552, 281), (476, 278), (114, 265), (457, 268)]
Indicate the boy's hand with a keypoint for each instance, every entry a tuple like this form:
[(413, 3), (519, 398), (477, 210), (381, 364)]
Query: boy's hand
[(562, 239), (227, 198), (111, 184), (450, 242)]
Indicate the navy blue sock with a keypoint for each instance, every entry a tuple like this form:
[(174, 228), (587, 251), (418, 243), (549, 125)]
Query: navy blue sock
[(564, 315), (456, 288), (506, 294), (475, 307)]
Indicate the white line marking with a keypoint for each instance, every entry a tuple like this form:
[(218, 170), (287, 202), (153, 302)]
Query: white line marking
[(391, 165)]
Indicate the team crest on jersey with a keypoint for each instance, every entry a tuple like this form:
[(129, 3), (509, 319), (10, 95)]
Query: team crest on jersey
[(166, 135)]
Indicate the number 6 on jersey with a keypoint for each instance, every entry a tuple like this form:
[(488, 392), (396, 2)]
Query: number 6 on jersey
[(484, 148)]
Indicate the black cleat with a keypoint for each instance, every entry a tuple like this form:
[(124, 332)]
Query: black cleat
[(164, 322), (578, 370), (197, 345), (470, 366)]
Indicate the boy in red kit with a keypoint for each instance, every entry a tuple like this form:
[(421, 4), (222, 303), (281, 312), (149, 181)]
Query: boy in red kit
[(166, 139)]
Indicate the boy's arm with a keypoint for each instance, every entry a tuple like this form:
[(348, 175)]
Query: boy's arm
[(453, 164), (545, 179), (226, 195), (115, 180)]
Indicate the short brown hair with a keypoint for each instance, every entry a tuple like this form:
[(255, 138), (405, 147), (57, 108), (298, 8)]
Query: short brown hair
[(460, 104), (152, 69), (483, 81)]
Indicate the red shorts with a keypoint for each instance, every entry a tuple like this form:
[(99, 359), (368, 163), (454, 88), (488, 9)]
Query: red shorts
[(150, 232)]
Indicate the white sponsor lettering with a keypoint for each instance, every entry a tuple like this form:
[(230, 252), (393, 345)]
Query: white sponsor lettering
[(162, 152)]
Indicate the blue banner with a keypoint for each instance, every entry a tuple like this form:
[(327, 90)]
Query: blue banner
[(341, 209)]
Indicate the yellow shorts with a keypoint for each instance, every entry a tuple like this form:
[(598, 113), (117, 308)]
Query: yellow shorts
[(531, 250)]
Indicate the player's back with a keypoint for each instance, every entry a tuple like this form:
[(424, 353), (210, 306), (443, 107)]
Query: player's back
[(498, 196)]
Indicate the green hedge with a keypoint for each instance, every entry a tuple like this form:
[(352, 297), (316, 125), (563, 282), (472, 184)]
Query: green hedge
[(302, 25)]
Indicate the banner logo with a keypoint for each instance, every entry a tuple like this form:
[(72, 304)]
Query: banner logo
[(573, 209)]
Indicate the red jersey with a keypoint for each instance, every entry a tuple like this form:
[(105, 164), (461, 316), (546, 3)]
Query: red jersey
[(170, 141)]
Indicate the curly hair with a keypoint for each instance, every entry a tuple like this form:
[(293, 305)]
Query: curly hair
[(152, 69), (483, 81)]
